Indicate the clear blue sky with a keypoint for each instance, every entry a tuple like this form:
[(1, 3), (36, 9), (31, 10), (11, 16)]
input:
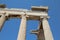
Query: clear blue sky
[(11, 26)]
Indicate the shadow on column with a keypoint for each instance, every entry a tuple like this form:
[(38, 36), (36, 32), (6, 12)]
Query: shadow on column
[(39, 32)]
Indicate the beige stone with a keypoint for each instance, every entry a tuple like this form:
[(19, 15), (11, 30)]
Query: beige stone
[(47, 31), (2, 20), (36, 13), (22, 29)]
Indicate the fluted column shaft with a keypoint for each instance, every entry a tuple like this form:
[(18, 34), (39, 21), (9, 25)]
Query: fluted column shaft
[(2, 19), (22, 29), (47, 31)]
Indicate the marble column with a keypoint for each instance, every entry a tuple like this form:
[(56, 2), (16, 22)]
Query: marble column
[(47, 31), (22, 29), (2, 20), (40, 32)]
